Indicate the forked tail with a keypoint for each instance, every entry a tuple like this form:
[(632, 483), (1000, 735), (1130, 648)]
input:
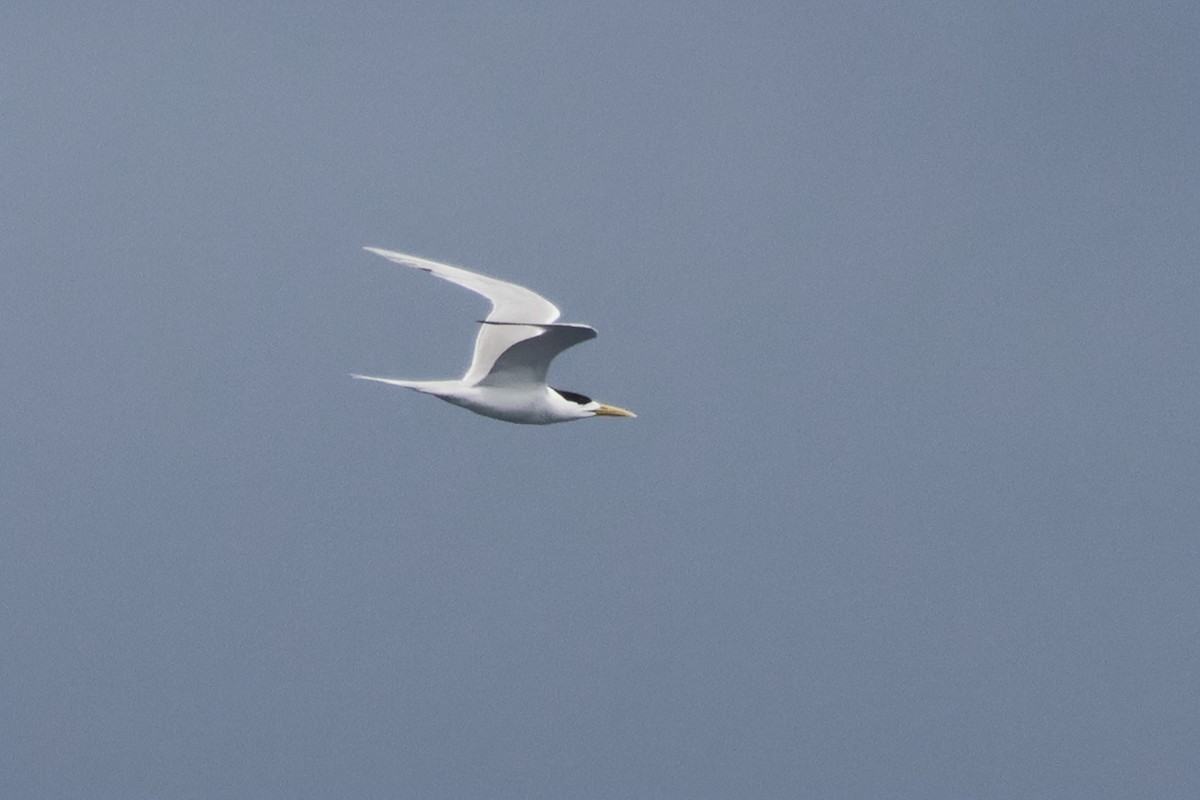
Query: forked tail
[(421, 386)]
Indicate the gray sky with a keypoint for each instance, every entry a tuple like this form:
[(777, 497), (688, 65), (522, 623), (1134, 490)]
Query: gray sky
[(905, 297)]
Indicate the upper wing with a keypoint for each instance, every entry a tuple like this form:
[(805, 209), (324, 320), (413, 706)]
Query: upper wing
[(526, 362), (510, 303)]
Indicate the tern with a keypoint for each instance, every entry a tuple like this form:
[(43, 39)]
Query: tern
[(514, 348)]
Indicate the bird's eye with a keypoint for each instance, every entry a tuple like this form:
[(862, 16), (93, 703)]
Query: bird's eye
[(574, 397)]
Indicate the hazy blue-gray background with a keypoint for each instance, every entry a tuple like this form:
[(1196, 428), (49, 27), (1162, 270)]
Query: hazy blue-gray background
[(905, 295)]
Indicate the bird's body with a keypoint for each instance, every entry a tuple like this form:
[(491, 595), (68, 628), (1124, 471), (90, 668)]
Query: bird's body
[(516, 343)]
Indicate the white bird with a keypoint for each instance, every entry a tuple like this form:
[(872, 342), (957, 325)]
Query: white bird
[(516, 343)]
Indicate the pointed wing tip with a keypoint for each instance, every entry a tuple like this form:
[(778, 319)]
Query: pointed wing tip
[(391, 255), (401, 258)]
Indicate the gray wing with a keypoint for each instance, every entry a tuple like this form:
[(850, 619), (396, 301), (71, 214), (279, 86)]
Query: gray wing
[(527, 361), (510, 303)]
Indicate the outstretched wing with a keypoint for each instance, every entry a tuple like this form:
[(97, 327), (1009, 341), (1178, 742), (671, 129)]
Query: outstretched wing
[(510, 303), (526, 362)]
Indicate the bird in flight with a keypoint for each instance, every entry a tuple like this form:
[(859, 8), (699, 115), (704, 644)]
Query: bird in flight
[(513, 351)]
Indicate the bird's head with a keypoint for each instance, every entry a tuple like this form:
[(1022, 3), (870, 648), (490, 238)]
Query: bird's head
[(588, 407)]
